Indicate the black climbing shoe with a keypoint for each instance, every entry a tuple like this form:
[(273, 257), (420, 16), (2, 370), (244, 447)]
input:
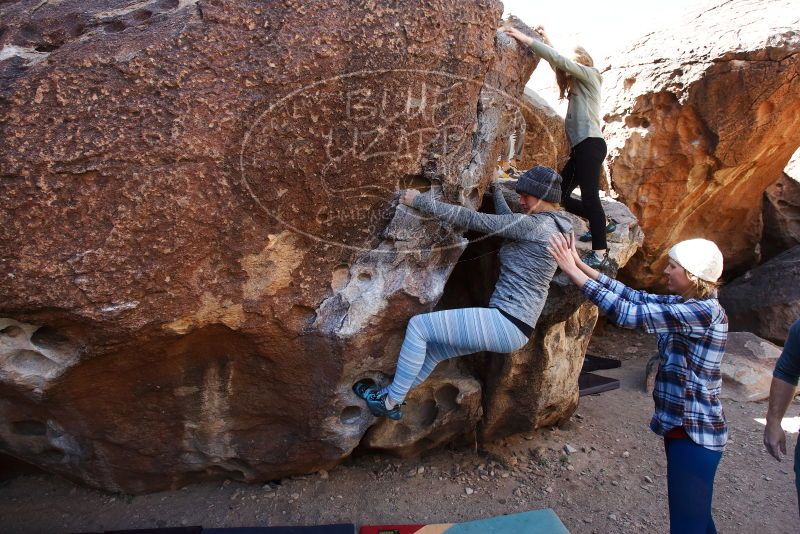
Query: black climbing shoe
[(587, 236), (594, 261)]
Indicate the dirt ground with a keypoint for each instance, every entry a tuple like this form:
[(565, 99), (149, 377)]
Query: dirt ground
[(613, 481)]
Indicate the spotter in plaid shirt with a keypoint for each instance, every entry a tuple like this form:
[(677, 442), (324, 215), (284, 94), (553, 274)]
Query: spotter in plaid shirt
[(691, 342)]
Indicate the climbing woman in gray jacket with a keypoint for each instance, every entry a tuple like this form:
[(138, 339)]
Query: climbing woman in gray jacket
[(526, 269), (580, 81)]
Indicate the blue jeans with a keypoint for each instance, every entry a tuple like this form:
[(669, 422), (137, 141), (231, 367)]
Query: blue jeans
[(690, 482), (797, 470)]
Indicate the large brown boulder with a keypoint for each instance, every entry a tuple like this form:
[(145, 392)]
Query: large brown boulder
[(545, 135), (201, 251), (701, 118), (766, 300), (201, 245), (782, 212)]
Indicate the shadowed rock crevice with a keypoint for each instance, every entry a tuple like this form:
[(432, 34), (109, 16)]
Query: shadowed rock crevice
[(766, 299), (781, 213)]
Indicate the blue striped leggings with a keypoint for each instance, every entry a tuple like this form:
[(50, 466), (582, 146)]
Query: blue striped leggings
[(433, 337)]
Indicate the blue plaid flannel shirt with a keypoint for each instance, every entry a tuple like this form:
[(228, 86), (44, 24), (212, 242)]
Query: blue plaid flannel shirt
[(691, 343)]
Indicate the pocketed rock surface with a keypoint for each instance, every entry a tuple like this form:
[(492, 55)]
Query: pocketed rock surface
[(614, 483)]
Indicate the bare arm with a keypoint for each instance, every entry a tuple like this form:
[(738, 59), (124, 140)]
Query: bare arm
[(588, 271), (784, 382), (780, 396), (566, 254)]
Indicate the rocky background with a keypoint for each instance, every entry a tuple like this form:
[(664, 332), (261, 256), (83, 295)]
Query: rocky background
[(202, 248), (703, 126), (701, 119)]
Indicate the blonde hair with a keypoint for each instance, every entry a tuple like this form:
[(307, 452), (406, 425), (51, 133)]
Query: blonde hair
[(564, 80), (556, 206), (703, 289)]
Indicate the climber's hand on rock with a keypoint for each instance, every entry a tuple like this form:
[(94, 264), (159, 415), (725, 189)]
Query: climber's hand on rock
[(407, 196), (542, 34), (516, 34)]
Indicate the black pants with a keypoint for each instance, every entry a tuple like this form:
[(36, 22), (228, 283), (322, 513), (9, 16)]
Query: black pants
[(583, 170)]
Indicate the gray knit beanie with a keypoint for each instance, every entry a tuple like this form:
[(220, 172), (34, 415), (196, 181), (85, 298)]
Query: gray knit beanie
[(541, 182)]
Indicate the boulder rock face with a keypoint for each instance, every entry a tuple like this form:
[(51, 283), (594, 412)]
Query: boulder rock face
[(443, 409), (782, 212), (701, 118), (545, 136), (766, 300), (747, 367), (201, 245)]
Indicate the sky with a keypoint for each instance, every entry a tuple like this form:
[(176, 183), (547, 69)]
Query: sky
[(600, 27)]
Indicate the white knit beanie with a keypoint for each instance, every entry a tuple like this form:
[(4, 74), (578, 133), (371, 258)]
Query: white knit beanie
[(700, 257)]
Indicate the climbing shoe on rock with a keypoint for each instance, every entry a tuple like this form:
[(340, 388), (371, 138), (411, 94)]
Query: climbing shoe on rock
[(376, 401), (594, 261), (362, 387), (610, 227)]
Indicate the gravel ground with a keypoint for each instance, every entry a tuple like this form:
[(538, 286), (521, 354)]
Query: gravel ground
[(613, 479)]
